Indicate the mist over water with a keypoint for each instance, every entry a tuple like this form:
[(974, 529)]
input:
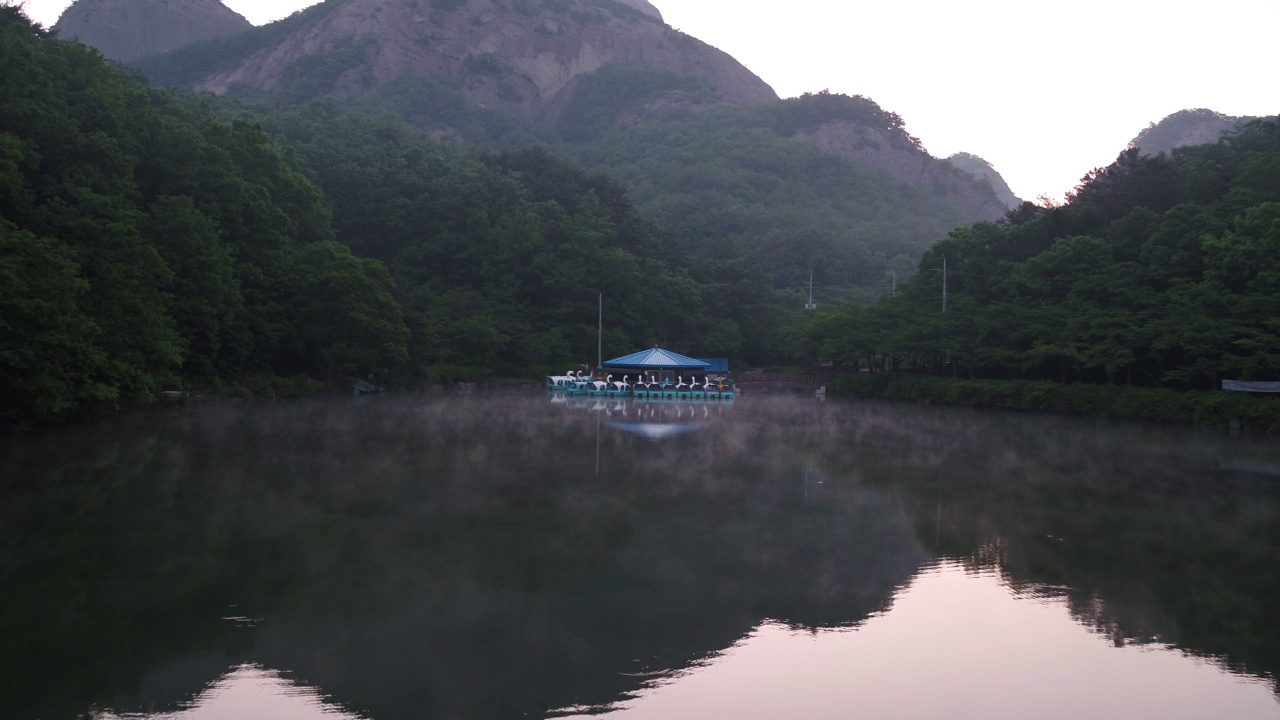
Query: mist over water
[(503, 555)]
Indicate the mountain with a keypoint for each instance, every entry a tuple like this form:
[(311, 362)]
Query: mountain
[(823, 182), (126, 30), (983, 170), (890, 150), (1185, 128), (522, 57)]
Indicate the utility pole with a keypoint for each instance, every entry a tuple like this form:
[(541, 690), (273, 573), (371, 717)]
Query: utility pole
[(600, 336), (810, 306), (943, 270)]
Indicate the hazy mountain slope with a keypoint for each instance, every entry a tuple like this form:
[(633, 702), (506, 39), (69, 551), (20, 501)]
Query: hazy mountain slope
[(825, 182), (888, 151), (749, 184), (126, 30), (983, 170), (857, 129), (519, 56), (1185, 128)]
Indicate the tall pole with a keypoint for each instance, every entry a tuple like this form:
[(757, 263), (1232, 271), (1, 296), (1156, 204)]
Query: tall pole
[(944, 283), (600, 335)]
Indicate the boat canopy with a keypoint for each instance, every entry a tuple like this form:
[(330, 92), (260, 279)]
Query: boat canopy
[(657, 359)]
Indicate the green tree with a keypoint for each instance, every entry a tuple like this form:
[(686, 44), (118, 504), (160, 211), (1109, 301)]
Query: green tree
[(346, 319)]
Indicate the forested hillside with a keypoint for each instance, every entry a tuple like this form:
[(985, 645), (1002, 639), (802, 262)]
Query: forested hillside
[(748, 184), (501, 256), (146, 245), (738, 183), (1160, 271)]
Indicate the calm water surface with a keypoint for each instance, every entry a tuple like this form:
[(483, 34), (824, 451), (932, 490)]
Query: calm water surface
[(506, 556)]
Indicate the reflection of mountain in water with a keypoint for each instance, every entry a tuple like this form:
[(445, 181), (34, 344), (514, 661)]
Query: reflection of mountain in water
[(447, 560), (465, 558), (689, 581), (1148, 535)]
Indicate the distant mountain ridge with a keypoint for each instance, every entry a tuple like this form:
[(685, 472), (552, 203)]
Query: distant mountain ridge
[(1187, 128), (522, 57), (530, 59), (127, 30)]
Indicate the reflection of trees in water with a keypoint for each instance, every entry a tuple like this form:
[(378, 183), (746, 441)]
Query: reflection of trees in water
[(438, 558), (466, 558), (1136, 529)]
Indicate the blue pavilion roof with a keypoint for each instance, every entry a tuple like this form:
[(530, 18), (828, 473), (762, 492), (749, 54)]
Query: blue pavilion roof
[(658, 359), (716, 364)]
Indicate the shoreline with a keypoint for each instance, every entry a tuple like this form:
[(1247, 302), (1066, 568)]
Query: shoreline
[(1220, 410)]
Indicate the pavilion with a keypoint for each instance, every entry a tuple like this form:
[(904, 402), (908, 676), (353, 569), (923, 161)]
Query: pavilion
[(662, 364)]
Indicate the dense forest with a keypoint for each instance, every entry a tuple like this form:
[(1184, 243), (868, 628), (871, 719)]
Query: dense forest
[(148, 243), (1158, 270)]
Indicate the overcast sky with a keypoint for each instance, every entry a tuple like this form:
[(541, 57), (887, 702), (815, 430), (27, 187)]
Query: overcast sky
[(1045, 91)]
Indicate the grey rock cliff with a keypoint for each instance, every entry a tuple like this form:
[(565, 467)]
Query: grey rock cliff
[(519, 56), (908, 163), (983, 170), (126, 30)]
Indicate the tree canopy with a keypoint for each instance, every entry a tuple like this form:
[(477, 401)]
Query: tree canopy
[(1158, 271)]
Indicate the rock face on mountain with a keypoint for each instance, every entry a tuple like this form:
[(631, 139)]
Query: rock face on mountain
[(519, 56), (891, 153), (1185, 128), (983, 170), (126, 30)]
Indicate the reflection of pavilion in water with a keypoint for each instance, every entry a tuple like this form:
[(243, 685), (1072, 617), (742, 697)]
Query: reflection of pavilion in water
[(649, 420)]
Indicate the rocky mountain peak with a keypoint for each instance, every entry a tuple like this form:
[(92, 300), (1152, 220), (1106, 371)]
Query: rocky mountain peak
[(126, 30), (984, 170), (1187, 128), (523, 57)]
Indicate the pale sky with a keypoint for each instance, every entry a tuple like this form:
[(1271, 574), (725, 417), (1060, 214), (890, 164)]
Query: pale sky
[(1045, 91)]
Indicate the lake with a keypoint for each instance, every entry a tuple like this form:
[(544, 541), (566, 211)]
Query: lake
[(509, 555)]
